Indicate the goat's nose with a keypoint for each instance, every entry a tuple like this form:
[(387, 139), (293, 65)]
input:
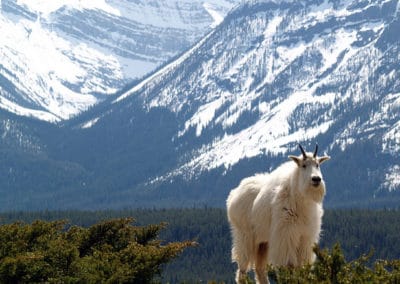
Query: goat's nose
[(316, 179)]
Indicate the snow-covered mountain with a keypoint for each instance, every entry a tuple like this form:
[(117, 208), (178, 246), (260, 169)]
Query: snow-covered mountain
[(272, 74), (59, 57), (280, 72)]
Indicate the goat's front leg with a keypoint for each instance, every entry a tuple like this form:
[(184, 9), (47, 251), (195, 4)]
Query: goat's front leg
[(305, 254), (284, 243)]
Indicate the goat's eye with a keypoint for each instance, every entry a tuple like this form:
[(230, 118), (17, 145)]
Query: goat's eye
[(317, 166), (304, 166)]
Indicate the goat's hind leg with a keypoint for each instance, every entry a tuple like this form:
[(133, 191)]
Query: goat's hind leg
[(241, 254), (241, 276), (261, 263), (243, 262), (241, 273)]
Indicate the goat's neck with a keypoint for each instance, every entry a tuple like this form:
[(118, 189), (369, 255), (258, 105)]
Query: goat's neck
[(296, 198)]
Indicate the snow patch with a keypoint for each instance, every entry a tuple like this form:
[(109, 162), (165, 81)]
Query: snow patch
[(217, 17), (203, 116), (90, 123), (272, 27), (322, 11), (14, 108), (46, 7), (391, 140), (286, 55), (392, 179), (343, 41)]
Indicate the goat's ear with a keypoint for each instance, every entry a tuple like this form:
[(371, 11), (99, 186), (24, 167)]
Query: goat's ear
[(323, 159), (295, 159)]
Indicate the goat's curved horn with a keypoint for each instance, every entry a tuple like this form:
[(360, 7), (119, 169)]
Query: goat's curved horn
[(303, 152), (316, 150)]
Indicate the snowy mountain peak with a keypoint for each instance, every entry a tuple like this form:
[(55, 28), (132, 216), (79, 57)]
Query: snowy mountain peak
[(61, 57)]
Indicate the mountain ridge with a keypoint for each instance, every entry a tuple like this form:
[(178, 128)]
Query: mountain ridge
[(273, 74), (343, 54), (61, 57)]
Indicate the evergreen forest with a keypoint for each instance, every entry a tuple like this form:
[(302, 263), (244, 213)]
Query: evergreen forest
[(361, 239)]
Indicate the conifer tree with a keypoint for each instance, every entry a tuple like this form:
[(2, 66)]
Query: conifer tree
[(111, 251)]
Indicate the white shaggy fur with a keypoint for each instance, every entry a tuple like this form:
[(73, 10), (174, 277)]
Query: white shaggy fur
[(275, 218)]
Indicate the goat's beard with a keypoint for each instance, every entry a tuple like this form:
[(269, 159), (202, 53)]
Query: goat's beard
[(316, 193)]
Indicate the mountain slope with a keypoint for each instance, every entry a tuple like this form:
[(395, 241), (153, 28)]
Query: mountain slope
[(60, 57), (283, 65), (277, 73), (272, 74)]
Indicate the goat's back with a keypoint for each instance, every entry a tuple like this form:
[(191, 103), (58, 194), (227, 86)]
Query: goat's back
[(240, 200)]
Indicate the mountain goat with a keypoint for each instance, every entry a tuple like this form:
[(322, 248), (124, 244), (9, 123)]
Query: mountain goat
[(275, 217)]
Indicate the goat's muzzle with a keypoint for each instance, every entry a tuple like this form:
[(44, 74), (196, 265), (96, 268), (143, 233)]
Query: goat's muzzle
[(316, 180)]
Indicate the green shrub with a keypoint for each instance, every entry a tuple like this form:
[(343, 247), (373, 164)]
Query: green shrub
[(331, 267), (112, 251)]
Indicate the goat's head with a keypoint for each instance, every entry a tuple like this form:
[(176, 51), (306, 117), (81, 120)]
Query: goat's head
[(310, 176)]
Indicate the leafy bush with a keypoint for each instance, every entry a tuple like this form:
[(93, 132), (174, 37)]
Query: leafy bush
[(331, 267), (111, 251)]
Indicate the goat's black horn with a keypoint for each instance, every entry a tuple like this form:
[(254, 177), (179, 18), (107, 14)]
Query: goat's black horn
[(316, 150), (303, 152)]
